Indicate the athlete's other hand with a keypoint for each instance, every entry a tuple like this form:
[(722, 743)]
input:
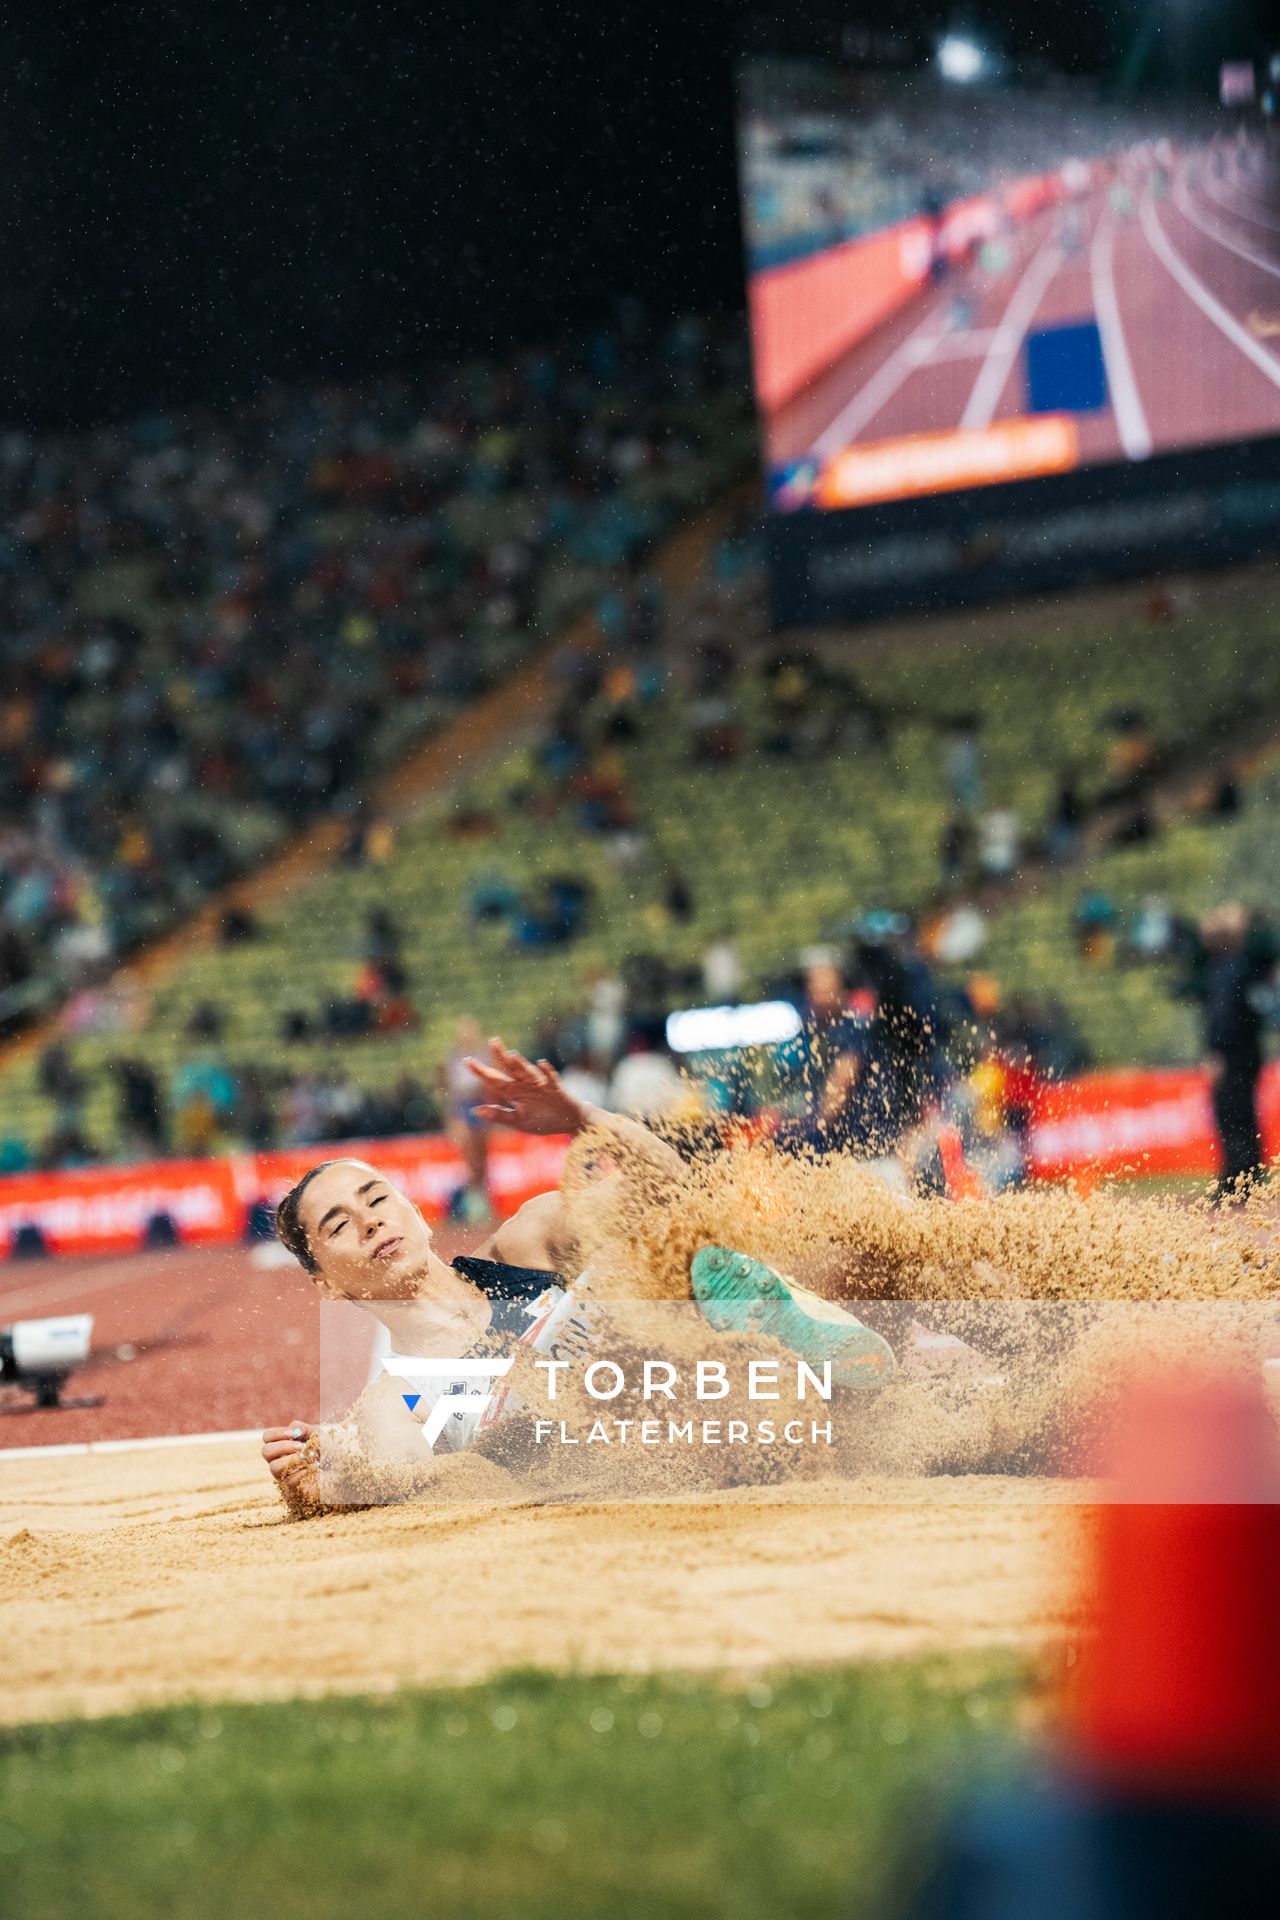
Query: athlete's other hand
[(295, 1467), (525, 1096)]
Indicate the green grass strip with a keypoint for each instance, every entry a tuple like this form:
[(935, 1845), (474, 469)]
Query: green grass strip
[(533, 1797)]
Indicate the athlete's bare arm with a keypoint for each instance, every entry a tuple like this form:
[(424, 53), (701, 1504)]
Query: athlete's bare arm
[(529, 1097), (538, 1235)]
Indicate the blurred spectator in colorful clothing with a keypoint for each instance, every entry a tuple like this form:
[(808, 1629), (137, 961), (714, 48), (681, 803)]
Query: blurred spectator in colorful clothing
[(646, 1082)]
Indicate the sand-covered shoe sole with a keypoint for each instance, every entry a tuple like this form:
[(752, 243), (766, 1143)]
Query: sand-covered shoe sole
[(740, 1295)]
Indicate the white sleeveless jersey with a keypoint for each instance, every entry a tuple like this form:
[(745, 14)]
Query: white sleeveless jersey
[(557, 1327)]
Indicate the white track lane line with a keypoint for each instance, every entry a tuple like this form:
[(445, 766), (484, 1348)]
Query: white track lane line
[(1010, 333), (1126, 402), (1214, 191), (1195, 289), (965, 345), (126, 1446), (1182, 200), (913, 352)]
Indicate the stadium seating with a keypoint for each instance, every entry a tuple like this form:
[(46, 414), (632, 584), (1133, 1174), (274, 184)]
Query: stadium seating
[(777, 850), (218, 628), (1127, 1008)]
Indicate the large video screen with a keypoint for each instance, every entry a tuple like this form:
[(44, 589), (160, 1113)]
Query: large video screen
[(958, 283)]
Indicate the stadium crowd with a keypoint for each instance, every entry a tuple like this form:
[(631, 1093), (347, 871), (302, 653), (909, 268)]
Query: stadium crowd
[(918, 1023), (219, 625)]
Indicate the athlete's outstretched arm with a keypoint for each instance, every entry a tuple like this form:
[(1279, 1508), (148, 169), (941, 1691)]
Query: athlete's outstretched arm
[(530, 1098)]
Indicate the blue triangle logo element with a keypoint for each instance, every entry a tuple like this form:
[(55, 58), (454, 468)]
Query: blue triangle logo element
[(411, 1400)]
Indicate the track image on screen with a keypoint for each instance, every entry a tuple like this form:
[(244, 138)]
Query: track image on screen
[(955, 287)]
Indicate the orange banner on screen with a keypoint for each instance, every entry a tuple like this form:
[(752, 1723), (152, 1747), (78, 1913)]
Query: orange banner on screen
[(940, 462)]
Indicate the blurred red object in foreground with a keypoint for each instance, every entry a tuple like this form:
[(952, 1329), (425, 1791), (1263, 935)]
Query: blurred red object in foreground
[(1167, 1808), (1180, 1688)]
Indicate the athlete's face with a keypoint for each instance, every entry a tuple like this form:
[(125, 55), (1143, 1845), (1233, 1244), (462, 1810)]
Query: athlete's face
[(369, 1241)]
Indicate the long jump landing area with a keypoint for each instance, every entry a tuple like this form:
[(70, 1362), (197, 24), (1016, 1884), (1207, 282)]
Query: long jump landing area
[(168, 1572), (165, 1567)]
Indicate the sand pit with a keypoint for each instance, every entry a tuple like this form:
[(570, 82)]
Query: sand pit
[(135, 1578), (141, 1577)]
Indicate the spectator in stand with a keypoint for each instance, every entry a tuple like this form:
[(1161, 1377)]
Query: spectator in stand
[(998, 843), (66, 1149), (106, 1005), (583, 1081), (370, 843), (1097, 918), (555, 916), (957, 935), (143, 1129), (606, 1015), (712, 713), (1233, 1045), (961, 762), (463, 1095), (207, 1022), (1067, 819), (722, 976), (646, 1082), (383, 940), (491, 896), (790, 678), (382, 990), (66, 1087), (677, 896), (202, 1098), (1154, 931), (956, 852), (238, 926), (255, 1118), (17, 978), (1130, 752)]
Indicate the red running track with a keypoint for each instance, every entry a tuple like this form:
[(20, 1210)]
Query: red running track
[(187, 1340), (1184, 285)]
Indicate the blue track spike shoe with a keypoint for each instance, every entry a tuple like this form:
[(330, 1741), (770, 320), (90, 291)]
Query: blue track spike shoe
[(740, 1295)]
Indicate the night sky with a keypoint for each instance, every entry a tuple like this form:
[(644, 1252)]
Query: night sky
[(196, 198)]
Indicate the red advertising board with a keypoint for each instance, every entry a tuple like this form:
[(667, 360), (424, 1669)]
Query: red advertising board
[(1144, 1121), (106, 1209), (805, 315)]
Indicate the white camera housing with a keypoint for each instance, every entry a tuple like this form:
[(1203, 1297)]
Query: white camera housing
[(50, 1346)]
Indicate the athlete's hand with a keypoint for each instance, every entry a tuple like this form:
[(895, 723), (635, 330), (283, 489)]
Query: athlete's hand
[(291, 1454), (525, 1096)]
